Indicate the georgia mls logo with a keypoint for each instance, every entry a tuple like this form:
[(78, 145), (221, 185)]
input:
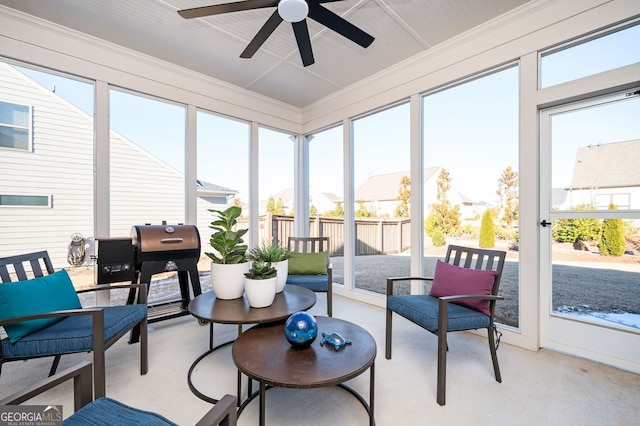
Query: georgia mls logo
[(31, 415)]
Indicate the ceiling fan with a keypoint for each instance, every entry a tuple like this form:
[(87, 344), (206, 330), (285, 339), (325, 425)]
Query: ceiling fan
[(294, 11)]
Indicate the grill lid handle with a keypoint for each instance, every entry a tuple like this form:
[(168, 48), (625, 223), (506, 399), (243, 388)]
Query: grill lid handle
[(171, 240)]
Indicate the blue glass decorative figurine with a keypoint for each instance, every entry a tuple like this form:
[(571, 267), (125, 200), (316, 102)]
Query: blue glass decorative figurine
[(335, 340), (301, 329)]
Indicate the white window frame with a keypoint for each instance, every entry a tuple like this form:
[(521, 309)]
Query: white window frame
[(28, 206), (28, 128)]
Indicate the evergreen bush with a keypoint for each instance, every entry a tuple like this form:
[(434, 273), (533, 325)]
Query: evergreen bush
[(487, 231), (612, 239), (437, 239)]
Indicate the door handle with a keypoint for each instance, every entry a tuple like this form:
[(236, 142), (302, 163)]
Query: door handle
[(545, 223)]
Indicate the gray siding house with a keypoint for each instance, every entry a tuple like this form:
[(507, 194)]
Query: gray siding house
[(46, 187), (603, 175)]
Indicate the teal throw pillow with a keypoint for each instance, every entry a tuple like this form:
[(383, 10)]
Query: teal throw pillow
[(308, 263), (50, 293)]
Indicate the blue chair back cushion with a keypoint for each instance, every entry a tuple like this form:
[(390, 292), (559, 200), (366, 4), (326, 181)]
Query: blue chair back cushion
[(423, 310), (74, 334), (106, 411), (54, 292), (312, 282)]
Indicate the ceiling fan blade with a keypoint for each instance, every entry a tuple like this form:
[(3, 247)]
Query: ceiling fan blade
[(258, 40), (198, 12), (301, 31), (340, 25)]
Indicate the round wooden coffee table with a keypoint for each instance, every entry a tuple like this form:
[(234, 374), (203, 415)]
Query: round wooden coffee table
[(263, 353), (209, 309)]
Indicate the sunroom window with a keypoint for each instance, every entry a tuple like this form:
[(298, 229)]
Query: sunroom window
[(590, 56)]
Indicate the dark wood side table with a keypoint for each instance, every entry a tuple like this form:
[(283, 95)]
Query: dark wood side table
[(209, 309), (264, 354)]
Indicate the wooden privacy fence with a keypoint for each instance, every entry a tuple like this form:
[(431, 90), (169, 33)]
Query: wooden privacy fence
[(373, 236)]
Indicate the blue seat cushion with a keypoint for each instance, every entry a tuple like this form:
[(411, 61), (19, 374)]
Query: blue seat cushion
[(312, 282), (74, 333), (107, 412), (423, 310)]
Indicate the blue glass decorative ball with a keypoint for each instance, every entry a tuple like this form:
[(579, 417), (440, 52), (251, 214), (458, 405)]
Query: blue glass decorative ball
[(301, 330)]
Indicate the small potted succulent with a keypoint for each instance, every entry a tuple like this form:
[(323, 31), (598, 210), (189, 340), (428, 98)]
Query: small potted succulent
[(277, 255), (229, 261), (260, 284)]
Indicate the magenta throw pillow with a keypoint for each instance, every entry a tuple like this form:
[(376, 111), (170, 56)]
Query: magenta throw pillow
[(451, 280)]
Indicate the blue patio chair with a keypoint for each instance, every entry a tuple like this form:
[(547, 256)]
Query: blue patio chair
[(42, 316), (309, 266), (463, 294), (108, 412)]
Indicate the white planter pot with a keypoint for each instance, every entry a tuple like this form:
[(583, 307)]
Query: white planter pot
[(283, 272), (260, 293), (227, 280)]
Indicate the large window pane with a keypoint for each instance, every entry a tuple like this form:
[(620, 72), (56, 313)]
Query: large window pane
[(596, 199), (275, 181), (147, 162), (326, 193), (382, 196), (223, 173), (471, 174), (605, 53), (47, 191), (146, 174)]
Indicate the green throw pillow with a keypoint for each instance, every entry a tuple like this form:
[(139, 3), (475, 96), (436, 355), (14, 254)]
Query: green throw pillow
[(308, 263), (50, 293)]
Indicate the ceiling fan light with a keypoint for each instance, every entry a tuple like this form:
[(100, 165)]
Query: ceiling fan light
[(293, 10)]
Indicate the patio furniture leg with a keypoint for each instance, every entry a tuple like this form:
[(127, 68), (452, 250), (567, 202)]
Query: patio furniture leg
[(442, 352), (262, 402), (494, 355), (54, 365), (387, 341)]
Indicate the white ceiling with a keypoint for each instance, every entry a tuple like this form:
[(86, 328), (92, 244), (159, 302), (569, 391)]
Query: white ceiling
[(212, 45)]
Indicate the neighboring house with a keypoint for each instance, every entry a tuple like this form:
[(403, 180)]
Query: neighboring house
[(47, 176), (603, 175), (379, 194), (323, 201)]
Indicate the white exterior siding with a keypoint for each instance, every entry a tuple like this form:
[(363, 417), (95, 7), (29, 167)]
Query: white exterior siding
[(143, 188), (59, 165)]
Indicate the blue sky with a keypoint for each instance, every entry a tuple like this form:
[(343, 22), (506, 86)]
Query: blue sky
[(469, 129)]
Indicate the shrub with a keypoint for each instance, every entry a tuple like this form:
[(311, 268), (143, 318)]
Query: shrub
[(612, 241), (487, 231), (572, 230), (437, 239)]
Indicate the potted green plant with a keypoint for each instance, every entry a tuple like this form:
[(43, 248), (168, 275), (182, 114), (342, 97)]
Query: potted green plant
[(260, 284), (229, 261), (277, 255)]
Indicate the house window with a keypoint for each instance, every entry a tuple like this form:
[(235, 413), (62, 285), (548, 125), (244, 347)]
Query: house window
[(620, 201), (14, 126), (25, 200)]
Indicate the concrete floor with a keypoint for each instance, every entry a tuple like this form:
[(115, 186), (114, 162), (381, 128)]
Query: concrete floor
[(538, 387)]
